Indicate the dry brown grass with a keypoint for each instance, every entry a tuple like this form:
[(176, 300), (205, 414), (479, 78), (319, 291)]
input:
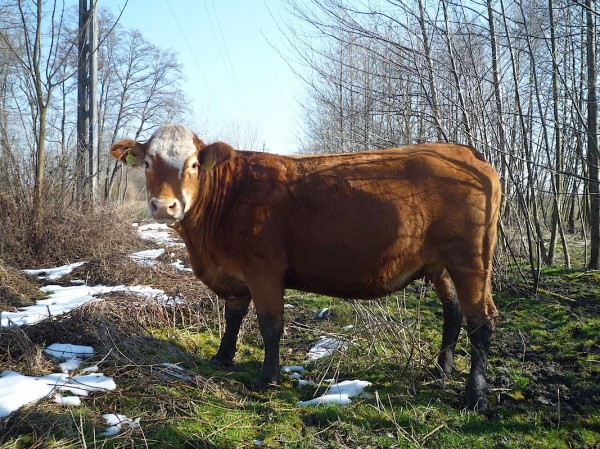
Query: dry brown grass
[(16, 289), (69, 234)]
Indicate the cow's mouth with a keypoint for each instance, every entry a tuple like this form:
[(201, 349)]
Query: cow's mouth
[(165, 210)]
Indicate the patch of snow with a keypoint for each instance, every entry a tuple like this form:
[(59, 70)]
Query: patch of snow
[(180, 266), (66, 351), (65, 299), (116, 423), (169, 371), (324, 313), (292, 369), (147, 258), (339, 393), (67, 400), (305, 383), (325, 347), (70, 365), (72, 355), (17, 390), (158, 233), (53, 273)]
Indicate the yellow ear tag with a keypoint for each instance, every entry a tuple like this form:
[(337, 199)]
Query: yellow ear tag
[(209, 165), (130, 159)]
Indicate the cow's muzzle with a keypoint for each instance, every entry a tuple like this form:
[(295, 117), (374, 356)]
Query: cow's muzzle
[(165, 210)]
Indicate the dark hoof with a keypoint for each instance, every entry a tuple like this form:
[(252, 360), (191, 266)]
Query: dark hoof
[(221, 361), (262, 385), (476, 401), (259, 385), (476, 392), (443, 373)]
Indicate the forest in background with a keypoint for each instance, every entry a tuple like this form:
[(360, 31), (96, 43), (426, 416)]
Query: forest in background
[(515, 79)]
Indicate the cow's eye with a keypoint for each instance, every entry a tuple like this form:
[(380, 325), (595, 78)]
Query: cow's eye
[(195, 166), (146, 165)]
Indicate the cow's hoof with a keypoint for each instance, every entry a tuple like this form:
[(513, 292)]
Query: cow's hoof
[(259, 385), (224, 362), (442, 373), (262, 385), (444, 367), (477, 401), (476, 392)]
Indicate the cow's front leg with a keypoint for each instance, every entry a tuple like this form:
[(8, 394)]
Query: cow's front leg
[(271, 328), (235, 311), (268, 301)]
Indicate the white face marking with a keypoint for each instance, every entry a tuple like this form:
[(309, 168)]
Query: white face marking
[(174, 144)]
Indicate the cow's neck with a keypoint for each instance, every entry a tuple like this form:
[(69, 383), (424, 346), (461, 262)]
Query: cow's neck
[(198, 228)]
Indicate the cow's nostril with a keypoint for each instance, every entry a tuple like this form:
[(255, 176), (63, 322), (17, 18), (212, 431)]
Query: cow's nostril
[(173, 206)]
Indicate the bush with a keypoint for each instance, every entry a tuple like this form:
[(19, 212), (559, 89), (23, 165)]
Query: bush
[(68, 233)]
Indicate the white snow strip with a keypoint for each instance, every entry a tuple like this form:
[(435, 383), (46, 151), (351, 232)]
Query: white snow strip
[(17, 390), (70, 365), (116, 423), (180, 266), (158, 233), (147, 258), (292, 369), (325, 347), (65, 299), (66, 351), (53, 273), (324, 313), (67, 400), (340, 393)]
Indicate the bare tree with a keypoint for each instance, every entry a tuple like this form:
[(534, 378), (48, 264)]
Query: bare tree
[(139, 90), (592, 140), (36, 48)]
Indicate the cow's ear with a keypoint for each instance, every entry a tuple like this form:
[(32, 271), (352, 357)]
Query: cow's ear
[(215, 154), (129, 151)]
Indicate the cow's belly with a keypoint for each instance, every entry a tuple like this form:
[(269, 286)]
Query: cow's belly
[(350, 274)]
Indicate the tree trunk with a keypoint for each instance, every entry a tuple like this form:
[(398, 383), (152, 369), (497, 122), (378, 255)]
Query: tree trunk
[(592, 143), (499, 106), (454, 70), (556, 226)]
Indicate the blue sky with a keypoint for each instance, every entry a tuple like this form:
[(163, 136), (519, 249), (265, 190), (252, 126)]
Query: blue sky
[(233, 74)]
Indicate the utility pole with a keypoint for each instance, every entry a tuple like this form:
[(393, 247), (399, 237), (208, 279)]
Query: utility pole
[(87, 103)]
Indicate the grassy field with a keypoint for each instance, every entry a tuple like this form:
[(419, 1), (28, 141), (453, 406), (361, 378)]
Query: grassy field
[(544, 371)]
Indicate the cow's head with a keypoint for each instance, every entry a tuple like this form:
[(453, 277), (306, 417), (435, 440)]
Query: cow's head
[(172, 161)]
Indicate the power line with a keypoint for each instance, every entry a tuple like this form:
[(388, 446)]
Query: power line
[(225, 55), (194, 58)]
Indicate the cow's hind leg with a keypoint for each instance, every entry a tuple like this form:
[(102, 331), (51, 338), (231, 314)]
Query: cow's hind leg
[(453, 319), (473, 289), (235, 311)]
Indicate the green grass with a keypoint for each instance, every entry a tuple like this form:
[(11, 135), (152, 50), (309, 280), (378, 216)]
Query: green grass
[(544, 372)]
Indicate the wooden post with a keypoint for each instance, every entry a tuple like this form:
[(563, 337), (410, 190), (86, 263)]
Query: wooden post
[(87, 105)]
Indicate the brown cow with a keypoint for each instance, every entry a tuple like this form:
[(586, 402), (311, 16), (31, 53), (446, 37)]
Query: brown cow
[(357, 225)]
